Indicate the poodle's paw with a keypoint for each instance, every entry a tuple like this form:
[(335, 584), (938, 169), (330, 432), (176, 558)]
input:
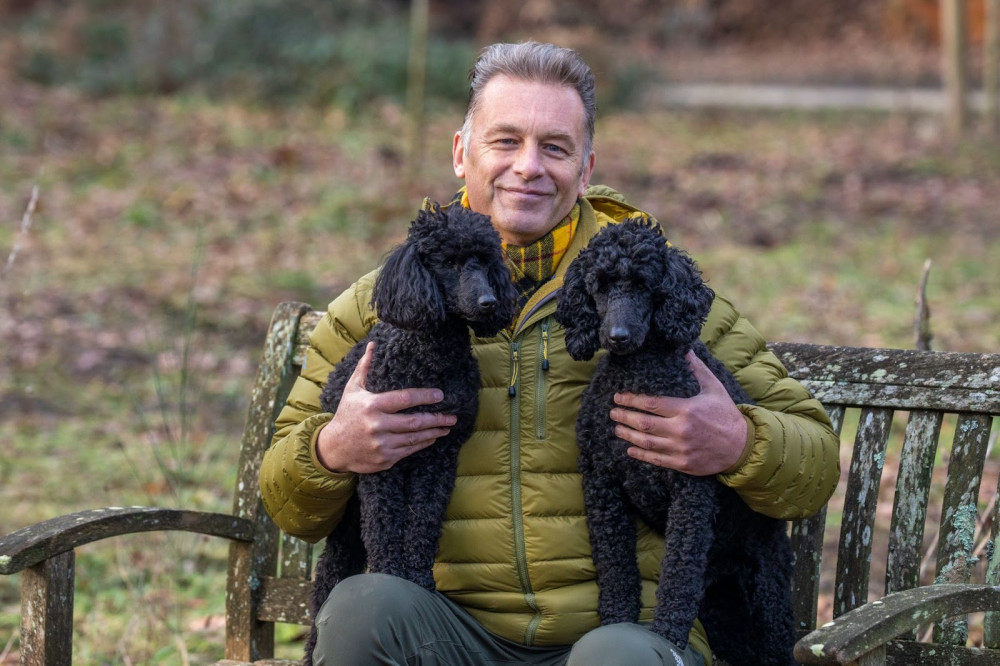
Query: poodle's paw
[(676, 635)]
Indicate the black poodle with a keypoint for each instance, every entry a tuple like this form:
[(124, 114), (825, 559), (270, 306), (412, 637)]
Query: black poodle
[(644, 301), (447, 277)]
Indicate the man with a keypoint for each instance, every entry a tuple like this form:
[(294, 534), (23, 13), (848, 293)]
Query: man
[(514, 575)]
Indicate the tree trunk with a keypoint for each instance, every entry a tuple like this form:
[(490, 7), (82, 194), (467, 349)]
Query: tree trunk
[(991, 65), (953, 65)]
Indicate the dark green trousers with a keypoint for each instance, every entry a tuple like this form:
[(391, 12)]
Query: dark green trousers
[(380, 619)]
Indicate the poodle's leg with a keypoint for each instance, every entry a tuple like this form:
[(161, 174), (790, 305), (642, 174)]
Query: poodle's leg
[(724, 615), (688, 538), (771, 622), (383, 511), (343, 555), (429, 490), (613, 545)]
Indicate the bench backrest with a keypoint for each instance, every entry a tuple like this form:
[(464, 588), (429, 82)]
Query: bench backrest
[(269, 580)]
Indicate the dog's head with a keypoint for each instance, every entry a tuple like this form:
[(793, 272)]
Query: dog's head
[(626, 285), (450, 266)]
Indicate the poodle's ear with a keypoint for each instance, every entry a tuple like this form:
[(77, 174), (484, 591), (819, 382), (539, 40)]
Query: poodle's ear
[(577, 312), (684, 299), (499, 278), (405, 293)]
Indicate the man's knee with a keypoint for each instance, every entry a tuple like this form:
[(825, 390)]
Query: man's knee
[(361, 600), (367, 619), (626, 643)]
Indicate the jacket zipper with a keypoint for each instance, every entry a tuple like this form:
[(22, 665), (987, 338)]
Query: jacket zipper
[(540, 375), (517, 517)]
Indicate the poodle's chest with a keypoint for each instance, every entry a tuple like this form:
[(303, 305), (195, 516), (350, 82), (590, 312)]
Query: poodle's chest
[(404, 360), (644, 373)]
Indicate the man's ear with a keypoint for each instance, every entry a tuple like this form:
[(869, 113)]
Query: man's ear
[(458, 155), (588, 171)]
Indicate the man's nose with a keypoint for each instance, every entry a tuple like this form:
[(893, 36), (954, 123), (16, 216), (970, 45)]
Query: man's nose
[(528, 164)]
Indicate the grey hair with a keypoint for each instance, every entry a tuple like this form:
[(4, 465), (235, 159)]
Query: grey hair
[(533, 61)]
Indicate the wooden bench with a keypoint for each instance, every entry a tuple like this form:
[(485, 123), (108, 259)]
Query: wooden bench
[(268, 573)]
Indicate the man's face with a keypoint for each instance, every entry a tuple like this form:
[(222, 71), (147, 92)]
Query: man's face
[(525, 165)]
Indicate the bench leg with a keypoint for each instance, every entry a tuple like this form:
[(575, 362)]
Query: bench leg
[(47, 612)]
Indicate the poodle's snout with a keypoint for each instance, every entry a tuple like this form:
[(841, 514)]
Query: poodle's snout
[(620, 335), (487, 302)]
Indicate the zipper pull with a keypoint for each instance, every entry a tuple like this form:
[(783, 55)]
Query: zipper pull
[(545, 346), (512, 387)]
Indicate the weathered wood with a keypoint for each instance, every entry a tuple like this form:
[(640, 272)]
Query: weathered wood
[(908, 653), (296, 558), (960, 512), (909, 511), (861, 630), (247, 637), (286, 600), (47, 611), (913, 485), (807, 547), (861, 497), (991, 621), (36, 543)]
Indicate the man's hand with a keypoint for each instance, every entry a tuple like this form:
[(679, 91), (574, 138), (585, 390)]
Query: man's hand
[(702, 435), (367, 434)]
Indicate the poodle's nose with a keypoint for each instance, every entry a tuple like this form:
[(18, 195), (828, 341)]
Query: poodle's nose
[(620, 335), (487, 301)]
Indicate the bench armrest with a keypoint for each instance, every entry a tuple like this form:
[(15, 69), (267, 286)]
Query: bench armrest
[(869, 627), (42, 541)]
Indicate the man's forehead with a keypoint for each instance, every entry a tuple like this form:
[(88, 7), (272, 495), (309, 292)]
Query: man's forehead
[(560, 103)]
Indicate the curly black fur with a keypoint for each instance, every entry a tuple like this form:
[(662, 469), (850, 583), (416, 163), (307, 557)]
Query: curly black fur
[(645, 303), (447, 277)]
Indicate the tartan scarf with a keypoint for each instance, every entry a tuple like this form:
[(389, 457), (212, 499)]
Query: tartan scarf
[(532, 265)]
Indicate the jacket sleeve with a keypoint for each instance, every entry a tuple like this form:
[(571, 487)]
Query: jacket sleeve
[(302, 497), (791, 465)]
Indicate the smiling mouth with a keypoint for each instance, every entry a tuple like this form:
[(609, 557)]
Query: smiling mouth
[(523, 192)]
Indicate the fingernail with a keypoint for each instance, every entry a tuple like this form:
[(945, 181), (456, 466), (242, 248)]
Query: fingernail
[(438, 396)]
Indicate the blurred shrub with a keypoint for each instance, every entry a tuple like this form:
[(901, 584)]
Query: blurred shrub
[(345, 52)]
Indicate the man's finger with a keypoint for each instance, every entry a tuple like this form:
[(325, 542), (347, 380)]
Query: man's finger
[(359, 378), (392, 402), (702, 373)]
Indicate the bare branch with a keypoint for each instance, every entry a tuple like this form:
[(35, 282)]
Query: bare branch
[(922, 319), (25, 226)]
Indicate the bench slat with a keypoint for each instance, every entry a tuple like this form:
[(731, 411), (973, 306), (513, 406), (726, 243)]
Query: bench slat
[(285, 600), (296, 558), (854, 554), (991, 621), (960, 512), (807, 545), (909, 510)]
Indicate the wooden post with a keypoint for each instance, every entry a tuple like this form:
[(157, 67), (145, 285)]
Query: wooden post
[(953, 65), (415, 86), (991, 65)]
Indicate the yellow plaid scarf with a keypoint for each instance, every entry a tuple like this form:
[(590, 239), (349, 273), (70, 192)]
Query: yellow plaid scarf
[(532, 265)]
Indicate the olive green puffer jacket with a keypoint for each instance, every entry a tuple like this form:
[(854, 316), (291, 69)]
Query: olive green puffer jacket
[(514, 550)]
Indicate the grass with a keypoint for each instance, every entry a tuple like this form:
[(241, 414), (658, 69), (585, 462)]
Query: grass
[(168, 228)]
